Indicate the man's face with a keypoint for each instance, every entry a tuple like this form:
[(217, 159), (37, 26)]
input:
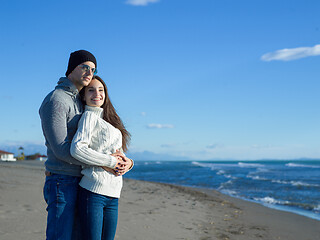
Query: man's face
[(81, 76)]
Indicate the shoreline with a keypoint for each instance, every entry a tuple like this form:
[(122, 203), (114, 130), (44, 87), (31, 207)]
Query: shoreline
[(270, 206), (226, 217), (301, 212), (149, 210)]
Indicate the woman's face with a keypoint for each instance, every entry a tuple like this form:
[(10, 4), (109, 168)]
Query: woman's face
[(94, 94)]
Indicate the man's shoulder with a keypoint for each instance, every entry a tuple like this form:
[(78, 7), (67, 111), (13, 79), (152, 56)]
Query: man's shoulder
[(59, 95), (58, 98)]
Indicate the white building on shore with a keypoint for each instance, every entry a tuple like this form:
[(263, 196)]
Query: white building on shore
[(7, 156), (37, 157)]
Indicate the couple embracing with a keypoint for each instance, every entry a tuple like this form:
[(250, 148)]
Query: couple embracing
[(86, 141)]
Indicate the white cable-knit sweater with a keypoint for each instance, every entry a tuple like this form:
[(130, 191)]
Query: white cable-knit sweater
[(92, 144)]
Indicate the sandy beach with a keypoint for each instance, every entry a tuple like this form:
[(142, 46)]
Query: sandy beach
[(151, 211)]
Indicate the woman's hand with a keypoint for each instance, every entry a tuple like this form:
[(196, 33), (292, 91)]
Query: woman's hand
[(123, 165), (124, 168), (119, 167)]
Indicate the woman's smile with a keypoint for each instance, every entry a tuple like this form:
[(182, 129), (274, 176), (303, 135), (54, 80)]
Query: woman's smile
[(94, 94)]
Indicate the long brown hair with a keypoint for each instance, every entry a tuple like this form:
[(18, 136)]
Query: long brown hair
[(110, 114)]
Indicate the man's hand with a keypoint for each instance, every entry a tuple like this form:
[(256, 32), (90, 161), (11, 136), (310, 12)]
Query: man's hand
[(110, 170)]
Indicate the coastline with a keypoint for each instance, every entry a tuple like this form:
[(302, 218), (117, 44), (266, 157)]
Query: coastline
[(154, 211)]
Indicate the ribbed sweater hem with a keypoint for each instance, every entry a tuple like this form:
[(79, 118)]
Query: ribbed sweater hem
[(101, 188)]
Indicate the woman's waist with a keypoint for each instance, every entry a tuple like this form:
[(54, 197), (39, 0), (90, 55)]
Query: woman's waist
[(99, 174)]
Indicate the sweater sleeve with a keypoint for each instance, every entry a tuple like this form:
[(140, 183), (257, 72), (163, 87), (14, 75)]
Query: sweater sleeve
[(54, 124), (80, 146)]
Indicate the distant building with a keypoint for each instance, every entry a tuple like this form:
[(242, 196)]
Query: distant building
[(37, 157), (6, 156), (42, 158)]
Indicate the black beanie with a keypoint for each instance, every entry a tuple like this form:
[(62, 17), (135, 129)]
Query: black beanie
[(78, 57)]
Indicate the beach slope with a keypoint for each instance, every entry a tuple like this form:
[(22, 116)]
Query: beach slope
[(151, 211)]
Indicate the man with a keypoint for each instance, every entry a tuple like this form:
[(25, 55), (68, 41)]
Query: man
[(60, 113)]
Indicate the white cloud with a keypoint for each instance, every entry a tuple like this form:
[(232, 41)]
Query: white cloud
[(157, 125), (143, 114), (289, 54), (167, 145), (213, 146), (141, 2), (258, 146)]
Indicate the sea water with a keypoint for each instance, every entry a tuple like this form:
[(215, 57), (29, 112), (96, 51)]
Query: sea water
[(285, 185)]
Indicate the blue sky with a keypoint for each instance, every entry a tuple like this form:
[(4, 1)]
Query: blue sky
[(202, 79)]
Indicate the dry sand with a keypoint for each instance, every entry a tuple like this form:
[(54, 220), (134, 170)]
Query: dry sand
[(151, 211)]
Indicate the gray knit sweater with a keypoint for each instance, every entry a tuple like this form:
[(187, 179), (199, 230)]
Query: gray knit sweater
[(60, 112)]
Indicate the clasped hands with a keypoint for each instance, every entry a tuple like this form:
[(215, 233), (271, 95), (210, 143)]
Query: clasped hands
[(123, 164)]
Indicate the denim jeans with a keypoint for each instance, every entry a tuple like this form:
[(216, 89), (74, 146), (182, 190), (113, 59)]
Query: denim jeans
[(98, 215), (61, 193)]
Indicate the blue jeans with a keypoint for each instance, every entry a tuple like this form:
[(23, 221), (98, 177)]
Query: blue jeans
[(98, 215), (61, 194)]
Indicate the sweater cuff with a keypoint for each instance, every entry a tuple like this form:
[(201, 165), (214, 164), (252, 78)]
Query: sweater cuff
[(113, 162)]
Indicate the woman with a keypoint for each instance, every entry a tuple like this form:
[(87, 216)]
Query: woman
[(100, 137)]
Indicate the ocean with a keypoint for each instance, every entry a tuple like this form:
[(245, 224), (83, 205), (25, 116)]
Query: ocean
[(292, 186)]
